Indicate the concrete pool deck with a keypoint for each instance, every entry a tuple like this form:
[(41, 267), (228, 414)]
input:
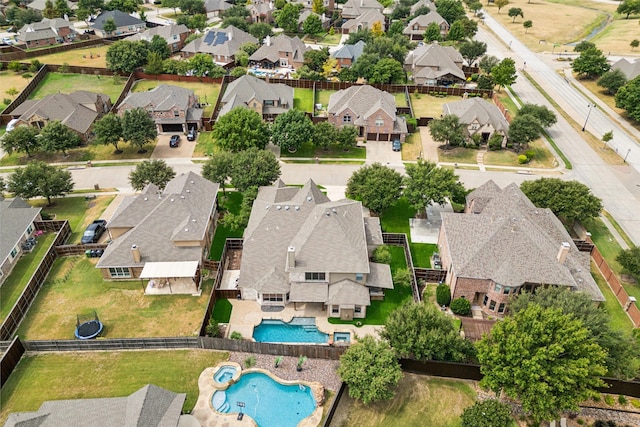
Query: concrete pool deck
[(246, 315)]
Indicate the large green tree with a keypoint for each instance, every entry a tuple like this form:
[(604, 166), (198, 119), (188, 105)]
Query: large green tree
[(591, 64), (254, 168), (471, 50), (514, 12), (628, 7), (457, 31), (218, 168), (109, 26), (448, 130), (544, 116), (39, 179), (62, 8), (201, 64), (450, 10), (426, 183), (312, 25), (159, 45), (421, 331), (628, 97), (125, 55), (287, 17), (504, 74), (629, 259), (545, 359), (387, 70), (376, 186), (23, 139), (432, 33), (138, 128), (523, 129), (55, 136), (108, 131), (612, 80), (371, 370), (291, 129), (240, 129), (151, 172), (569, 200), (324, 134)]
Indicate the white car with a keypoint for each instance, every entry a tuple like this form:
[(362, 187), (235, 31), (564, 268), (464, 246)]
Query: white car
[(7, 40)]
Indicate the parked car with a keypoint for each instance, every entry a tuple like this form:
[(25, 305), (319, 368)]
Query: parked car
[(174, 141), (191, 136), (94, 231), (396, 145), (8, 40)]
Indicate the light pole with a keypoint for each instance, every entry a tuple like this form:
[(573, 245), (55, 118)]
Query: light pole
[(625, 156), (587, 119)]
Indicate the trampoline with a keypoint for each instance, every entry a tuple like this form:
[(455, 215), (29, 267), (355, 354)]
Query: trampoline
[(88, 329)]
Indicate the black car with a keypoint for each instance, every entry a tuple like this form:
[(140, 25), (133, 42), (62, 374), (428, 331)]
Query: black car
[(191, 136), (94, 231), (174, 141)]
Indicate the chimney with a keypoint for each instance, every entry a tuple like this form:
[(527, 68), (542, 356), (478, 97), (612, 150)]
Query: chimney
[(361, 3), (230, 34), (291, 257), (267, 41), (135, 251), (563, 252)]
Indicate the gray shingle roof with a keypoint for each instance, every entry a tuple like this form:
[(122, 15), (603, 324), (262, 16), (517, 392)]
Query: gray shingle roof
[(160, 98), (15, 217), (309, 292), (350, 51), (365, 20), (278, 44), (373, 231), (181, 213), (216, 5), (364, 101), (631, 69), (151, 406), (379, 276), (239, 92), (353, 8), (424, 21), (44, 29), (41, 4), (433, 60), (222, 41), (165, 31), (347, 292), (512, 242), (417, 5), (121, 19), (477, 110)]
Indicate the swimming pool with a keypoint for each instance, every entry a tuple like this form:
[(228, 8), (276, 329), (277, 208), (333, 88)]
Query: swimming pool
[(267, 401), (342, 336), (224, 374), (300, 329)]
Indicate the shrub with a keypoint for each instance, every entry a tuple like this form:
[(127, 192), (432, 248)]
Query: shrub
[(15, 66), (530, 154), (580, 421), (443, 295), (622, 400), (635, 403), (402, 277), (64, 68), (249, 362), (212, 329), (461, 306), (522, 159), (27, 75), (495, 142), (35, 65), (608, 399), (235, 335), (382, 255), (6, 101)]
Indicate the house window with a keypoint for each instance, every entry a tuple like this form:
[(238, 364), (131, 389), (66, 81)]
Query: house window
[(314, 277), (335, 309), (272, 297), (357, 309), (359, 276), (484, 301), (492, 305), (176, 113), (497, 287), (29, 229), (379, 122), (269, 103), (346, 118), (474, 126), (501, 308), (506, 290), (119, 272), (14, 252)]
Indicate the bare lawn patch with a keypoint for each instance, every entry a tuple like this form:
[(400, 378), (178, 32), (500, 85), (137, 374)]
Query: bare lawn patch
[(67, 83), (94, 56)]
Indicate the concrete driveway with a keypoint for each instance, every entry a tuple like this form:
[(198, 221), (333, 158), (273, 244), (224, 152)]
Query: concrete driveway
[(163, 151), (381, 152)]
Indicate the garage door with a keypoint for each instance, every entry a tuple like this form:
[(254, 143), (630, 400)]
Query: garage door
[(172, 128), (383, 137), (372, 137)]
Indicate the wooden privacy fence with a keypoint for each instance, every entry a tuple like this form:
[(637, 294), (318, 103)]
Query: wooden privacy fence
[(30, 291), (431, 275), (293, 350), (400, 239), (113, 344), (10, 359), (71, 250), (18, 54)]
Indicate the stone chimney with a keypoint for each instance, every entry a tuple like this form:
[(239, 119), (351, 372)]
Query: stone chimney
[(135, 251), (291, 257), (563, 252)]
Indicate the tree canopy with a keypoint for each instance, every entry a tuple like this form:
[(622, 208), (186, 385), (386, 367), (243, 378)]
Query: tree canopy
[(38, 179), (138, 128), (629, 259), (504, 73), (151, 172), (218, 168), (523, 129), (108, 130), (421, 331), (569, 200), (628, 97), (514, 12), (628, 7), (426, 183), (448, 130), (55, 136), (450, 10), (471, 50), (544, 116), (371, 370), (376, 186), (291, 129), (612, 80), (254, 168), (125, 56), (240, 129), (22, 139), (545, 359), (591, 63)]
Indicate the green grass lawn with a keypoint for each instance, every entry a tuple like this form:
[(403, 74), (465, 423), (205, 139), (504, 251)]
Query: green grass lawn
[(231, 203), (222, 310), (76, 287), (303, 100), (14, 284), (322, 97), (205, 145), (429, 106), (542, 156), (457, 155), (401, 100), (95, 374), (311, 151), (618, 318), (67, 83), (421, 254), (206, 92)]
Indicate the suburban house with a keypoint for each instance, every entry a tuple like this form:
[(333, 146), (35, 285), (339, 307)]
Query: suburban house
[(418, 25), (40, 5), (631, 69), (422, 3), (215, 8), (15, 228), (372, 111), (435, 65), (76, 110), (125, 23), (301, 247), (174, 35), (481, 117), (261, 11), (163, 235), (150, 406), (329, 5), (268, 99), (348, 54), (221, 43), (46, 32), (280, 51), (366, 21), (173, 108), (354, 8), (305, 13), (504, 244)]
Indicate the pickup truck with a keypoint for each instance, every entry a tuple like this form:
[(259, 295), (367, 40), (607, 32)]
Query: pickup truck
[(94, 231)]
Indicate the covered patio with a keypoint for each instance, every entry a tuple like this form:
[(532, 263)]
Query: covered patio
[(171, 278)]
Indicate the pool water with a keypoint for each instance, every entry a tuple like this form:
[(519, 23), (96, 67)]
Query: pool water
[(267, 401), (224, 374), (342, 336), (299, 330)]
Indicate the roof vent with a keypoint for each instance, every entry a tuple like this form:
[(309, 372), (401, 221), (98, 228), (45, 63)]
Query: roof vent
[(146, 198), (267, 207), (286, 208), (172, 200), (181, 196), (327, 213), (186, 229), (334, 210), (297, 208), (309, 198), (194, 220), (192, 181), (279, 207), (188, 191)]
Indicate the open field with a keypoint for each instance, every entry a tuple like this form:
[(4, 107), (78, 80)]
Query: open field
[(75, 287), (67, 83), (11, 79), (419, 401), (577, 22), (94, 56), (208, 93), (94, 374), (615, 38)]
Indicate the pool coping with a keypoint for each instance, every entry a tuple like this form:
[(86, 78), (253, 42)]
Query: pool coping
[(207, 415)]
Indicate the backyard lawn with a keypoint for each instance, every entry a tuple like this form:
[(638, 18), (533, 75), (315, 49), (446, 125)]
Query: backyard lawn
[(67, 83), (429, 106), (222, 310), (322, 97), (75, 287), (11, 80), (231, 203), (419, 401), (303, 100), (95, 374), (94, 56), (311, 151), (207, 92)]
